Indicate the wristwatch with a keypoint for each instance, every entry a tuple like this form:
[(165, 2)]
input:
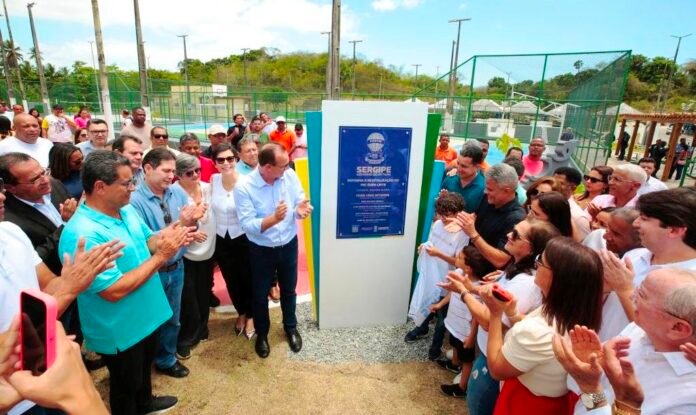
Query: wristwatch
[(463, 294), (592, 400)]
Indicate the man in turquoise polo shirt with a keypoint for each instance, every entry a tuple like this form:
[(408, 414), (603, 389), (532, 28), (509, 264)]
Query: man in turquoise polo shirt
[(468, 181), (122, 309)]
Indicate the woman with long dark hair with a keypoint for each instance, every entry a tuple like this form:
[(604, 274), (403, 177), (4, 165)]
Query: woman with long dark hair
[(65, 161), (570, 277), (596, 183), (553, 207)]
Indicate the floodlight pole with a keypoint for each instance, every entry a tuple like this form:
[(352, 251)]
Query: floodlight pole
[(417, 65), (186, 79), (246, 81), (96, 77), (328, 64), (6, 69), (22, 91), (37, 56), (669, 78), (453, 75), (106, 99), (353, 70), (142, 72), (335, 50)]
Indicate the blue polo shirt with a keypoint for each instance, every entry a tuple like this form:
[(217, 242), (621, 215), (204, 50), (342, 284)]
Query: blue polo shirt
[(257, 199), (243, 168), (472, 193), (109, 327), (149, 207)]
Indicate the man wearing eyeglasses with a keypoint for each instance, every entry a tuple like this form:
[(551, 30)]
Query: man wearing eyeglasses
[(98, 133), (36, 203), (27, 139), (269, 201), (160, 139), (160, 205)]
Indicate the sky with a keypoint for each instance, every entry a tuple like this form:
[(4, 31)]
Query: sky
[(396, 32)]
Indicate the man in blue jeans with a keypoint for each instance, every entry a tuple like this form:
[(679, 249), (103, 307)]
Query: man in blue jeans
[(268, 203), (159, 205)]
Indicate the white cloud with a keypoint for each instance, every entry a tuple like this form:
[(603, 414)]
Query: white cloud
[(390, 5), (215, 28), (463, 6)]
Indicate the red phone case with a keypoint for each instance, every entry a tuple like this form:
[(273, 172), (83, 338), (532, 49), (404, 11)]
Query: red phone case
[(501, 294), (51, 317)]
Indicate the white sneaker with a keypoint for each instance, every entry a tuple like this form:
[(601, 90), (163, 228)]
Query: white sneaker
[(457, 378), (450, 354)]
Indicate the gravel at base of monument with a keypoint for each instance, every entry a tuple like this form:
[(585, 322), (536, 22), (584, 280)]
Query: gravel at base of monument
[(367, 344)]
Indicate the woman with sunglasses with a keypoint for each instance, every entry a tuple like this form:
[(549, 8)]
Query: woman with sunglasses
[(542, 185), (596, 183), (553, 207), (525, 242), (65, 161), (80, 135), (198, 259), (232, 245), (569, 276)]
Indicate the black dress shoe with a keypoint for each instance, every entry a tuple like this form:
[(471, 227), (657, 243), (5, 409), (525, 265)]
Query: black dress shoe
[(294, 340), (176, 371), (262, 347)]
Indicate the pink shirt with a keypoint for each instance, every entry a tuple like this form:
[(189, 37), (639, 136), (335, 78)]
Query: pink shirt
[(532, 167), (81, 122)]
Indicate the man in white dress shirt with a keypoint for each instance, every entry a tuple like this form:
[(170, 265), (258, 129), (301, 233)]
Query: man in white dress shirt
[(652, 184)]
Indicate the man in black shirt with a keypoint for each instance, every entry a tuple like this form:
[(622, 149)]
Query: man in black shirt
[(498, 214)]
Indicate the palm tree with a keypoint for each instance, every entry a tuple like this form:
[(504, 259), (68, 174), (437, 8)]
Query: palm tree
[(578, 64), (32, 54), (14, 54)]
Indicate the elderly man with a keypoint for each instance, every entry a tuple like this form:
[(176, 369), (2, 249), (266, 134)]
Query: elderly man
[(268, 202), (248, 156), (445, 153), (125, 305), (27, 140), (624, 183), (533, 164), (498, 214), (131, 148), (23, 269), (160, 205), (159, 137), (36, 203), (189, 144), (468, 181), (283, 136), (139, 127), (98, 133), (570, 178), (216, 135), (57, 126), (652, 184)]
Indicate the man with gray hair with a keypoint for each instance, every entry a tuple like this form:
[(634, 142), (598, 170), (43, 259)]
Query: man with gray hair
[(624, 184), (495, 218), (468, 180)]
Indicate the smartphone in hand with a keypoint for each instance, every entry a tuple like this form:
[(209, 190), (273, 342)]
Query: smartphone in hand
[(501, 294), (37, 331)]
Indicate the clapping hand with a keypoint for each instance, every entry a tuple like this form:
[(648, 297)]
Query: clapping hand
[(281, 211), (467, 222), (67, 209), (620, 372), (172, 238), (454, 282), (617, 274), (689, 350), (79, 272), (304, 209), (587, 374), (190, 214)]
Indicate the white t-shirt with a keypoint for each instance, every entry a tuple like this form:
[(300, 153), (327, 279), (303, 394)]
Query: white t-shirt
[(528, 297), (527, 347), (224, 208), (458, 320), (200, 251), (580, 219), (58, 129), (595, 240), (38, 150), (641, 258), (652, 185)]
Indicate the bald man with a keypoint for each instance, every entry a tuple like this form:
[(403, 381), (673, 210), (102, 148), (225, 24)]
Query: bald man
[(27, 140)]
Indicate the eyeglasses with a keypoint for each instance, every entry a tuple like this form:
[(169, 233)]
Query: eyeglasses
[(161, 136), (539, 263), (44, 173), (167, 215), (591, 179), (616, 179), (222, 160), (190, 173), (133, 182), (83, 134), (99, 132)]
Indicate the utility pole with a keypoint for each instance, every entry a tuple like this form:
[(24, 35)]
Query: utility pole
[(453, 76), (37, 56), (660, 105), (22, 92), (335, 50), (246, 81), (106, 98), (144, 98), (417, 65), (353, 70), (6, 69), (328, 64), (188, 90), (96, 77), (437, 78)]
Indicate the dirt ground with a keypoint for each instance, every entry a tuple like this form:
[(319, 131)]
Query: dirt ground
[(228, 378)]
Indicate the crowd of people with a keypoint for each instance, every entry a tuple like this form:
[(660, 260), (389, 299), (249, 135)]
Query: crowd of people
[(126, 236), (559, 301)]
